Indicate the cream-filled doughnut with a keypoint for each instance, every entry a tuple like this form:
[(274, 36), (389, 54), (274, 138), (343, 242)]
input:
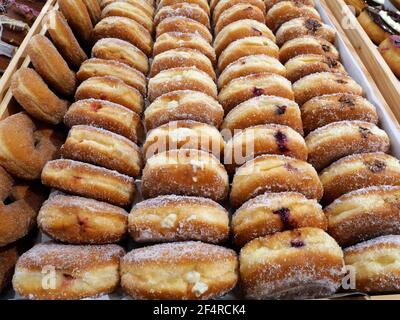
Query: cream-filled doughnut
[(183, 25), (144, 5), (182, 9), (219, 7), (270, 3), (201, 3)]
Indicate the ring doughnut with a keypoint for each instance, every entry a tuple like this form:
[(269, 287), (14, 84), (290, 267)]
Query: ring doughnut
[(8, 259), (222, 5), (111, 89), (183, 25), (357, 172), (89, 181), (79, 220), (201, 3), (298, 264), (390, 50), (270, 3), (185, 172), (322, 83), (33, 94), (178, 218), (143, 5), (103, 148), (50, 65), (339, 139), (254, 85), (183, 105), (93, 8), (80, 271), (182, 9), (179, 271), (20, 137), (181, 78), (247, 47)]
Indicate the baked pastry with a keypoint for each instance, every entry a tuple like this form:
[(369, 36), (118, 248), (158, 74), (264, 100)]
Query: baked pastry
[(319, 84), (298, 264), (89, 181), (182, 9), (275, 212), (183, 105), (78, 220), (396, 3), (183, 25), (201, 3), (359, 5), (179, 271), (181, 78), (185, 172), (358, 172), (375, 264), (323, 110), (80, 271), (270, 3), (93, 9), (8, 259), (106, 115), (219, 7), (144, 5), (254, 85), (33, 94), (390, 50), (103, 148), (111, 89), (50, 65), (178, 218), (264, 110), (25, 148), (274, 173)]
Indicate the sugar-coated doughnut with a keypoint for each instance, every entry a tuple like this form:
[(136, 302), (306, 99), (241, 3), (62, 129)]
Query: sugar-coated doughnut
[(183, 105), (111, 89), (357, 172), (185, 172), (275, 212), (20, 137), (319, 84), (274, 173), (323, 110), (239, 30), (246, 47), (143, 5), (183, 9), (270, 3), (50, 65), (181, 78), (254, 85), (178, 218), (390, 50), (222, 5), (89, 181), (103, 148), (179, 271), (78, 220), (298, 264), (184, 25), (264, 110), (79, 271), (106, 115), (93, 9), (201, 3), (33, 94), (8, 259), (63, 38)]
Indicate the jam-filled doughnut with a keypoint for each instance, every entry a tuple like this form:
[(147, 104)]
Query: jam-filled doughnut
[(8, 259), (305, 64), (390, 50), (203, 4), (183, 105), (270, 3), (263, 139), (183, 25), (78, 220), (376, 264), (248, 65), (274, 173), (181, 78), (264, 110), (89, 181), (103, 148), (111, 89), (33, 94), (323, 110), (254, 85), (275, 212), (246, 47), (184, 134), (78, 18), (179, 271), (357, 172), (185, 172), (106, 115), (222, 5), (80, 271), (183, 9), (178, 218), (339, 139), (322, 83), (25, 148), (143, 5), (50, 65), (93, 9), (298, 264), (307, 45), (239, 30), (181, 57), (124, 29)]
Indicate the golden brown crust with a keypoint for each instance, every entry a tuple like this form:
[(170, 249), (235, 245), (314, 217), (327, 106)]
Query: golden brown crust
[(8, 259), (183, 9), (390, 51), (270, 3), (143, 5), (222, 5), (93, 9), (373, 30), (202, 3)]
